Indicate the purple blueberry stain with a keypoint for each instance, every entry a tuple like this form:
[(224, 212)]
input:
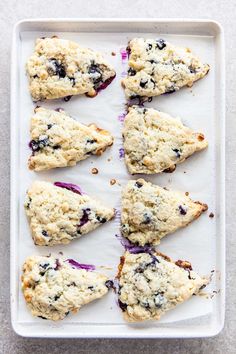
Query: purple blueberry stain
[(132, 248), (77, 265), (117, 214), (105, 83), (85, 217), (70, 186), (123, 74), (121, 153), (121, 117), (124, 55)]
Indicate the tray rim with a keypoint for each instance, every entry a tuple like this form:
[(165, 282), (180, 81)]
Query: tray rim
[(17, 327)]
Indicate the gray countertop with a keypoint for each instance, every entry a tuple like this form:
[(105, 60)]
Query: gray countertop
[(222, 11)]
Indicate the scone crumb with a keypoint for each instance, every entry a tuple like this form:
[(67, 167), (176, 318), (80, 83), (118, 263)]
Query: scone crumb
[(113, 54), (94, 171), (211, 215), (187, 194), (184, 264), (112, 182)]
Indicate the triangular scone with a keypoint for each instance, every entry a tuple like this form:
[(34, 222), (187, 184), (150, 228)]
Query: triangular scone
[(151, 284), (61, 68), (154, 141), (58, 215), (52, 287), (158, 67), (150, 212), (57, 140)]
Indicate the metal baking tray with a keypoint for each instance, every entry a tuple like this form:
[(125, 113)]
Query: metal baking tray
[(201, 107)]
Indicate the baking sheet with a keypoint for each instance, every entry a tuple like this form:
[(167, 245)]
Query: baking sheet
[(199, 175)]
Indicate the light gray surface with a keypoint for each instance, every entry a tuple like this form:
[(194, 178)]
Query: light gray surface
[(11, 12)]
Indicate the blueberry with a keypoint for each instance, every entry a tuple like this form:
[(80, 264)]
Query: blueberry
[(182, 210), (140, 269), (177, 151), (149, 99), (43, 141), (159, 300), (149, 46), (56, 297), (131, 72), (72, 284), (192, 69), (170, 90), (58, 264), (36, 145), (56, 68), (72, 79), (145, 304), (153, 82), (85, 217), (101, 220), (91, 287), (138, 184), (44, 318), (49, 126), (28, 204), (35, 76), (133, 97), (67, 98), (90, 141), (94, 69), (122, 305), (152, 61), (143, 83), (44, 266), (147, 219), (56, 147), (128, 50), (109, 284), (44, 233), (160, 44)]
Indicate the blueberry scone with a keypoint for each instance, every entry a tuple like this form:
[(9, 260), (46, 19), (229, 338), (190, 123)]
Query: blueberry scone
[(151, 284), (150, 212), (158, 67), (59, 213), (57, 140), (52, 287), (61, 68), (155, 142)]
